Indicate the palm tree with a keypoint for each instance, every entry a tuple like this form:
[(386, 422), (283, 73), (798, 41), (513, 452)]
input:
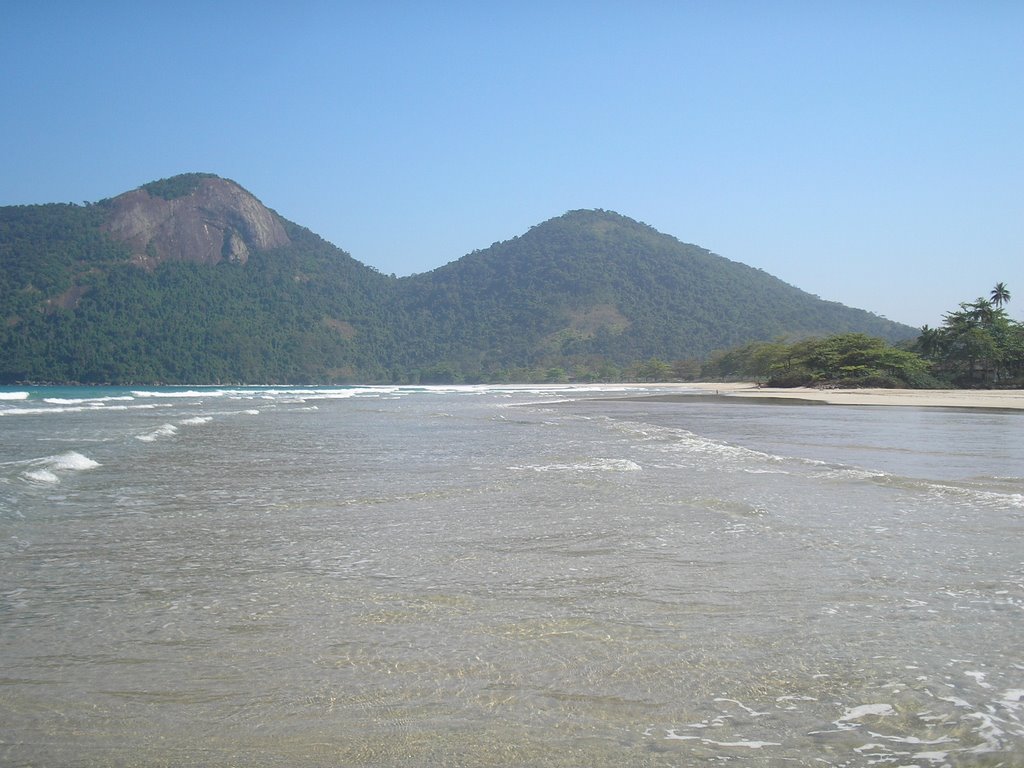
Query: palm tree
[(1000, 294)]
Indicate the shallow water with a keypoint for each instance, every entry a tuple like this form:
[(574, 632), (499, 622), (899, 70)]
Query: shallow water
[(488, 576)]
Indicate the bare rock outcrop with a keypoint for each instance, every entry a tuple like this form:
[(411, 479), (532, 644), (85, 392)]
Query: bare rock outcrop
[(215, 220)]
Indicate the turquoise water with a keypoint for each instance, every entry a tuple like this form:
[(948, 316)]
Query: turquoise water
[(505, 576)]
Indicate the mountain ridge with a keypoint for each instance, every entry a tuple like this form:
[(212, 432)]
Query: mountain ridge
[(192, 279)]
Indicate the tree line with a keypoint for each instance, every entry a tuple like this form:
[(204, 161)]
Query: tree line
[(977, 345)]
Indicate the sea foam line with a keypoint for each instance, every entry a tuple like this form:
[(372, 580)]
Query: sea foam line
[(686, 443), (85, 400), (179, 393), (83, 408), (593, 465)]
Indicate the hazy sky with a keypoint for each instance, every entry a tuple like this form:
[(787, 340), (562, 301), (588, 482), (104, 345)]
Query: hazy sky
[(868, 152)]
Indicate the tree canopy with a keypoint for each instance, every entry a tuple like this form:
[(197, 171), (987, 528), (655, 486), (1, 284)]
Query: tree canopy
[(847, 359), (977, 344)]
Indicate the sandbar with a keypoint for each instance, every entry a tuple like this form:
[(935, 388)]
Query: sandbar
[(1003, 399)]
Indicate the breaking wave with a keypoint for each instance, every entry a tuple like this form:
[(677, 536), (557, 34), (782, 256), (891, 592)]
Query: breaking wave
[(49, 469), (166, 430), (591, 465)]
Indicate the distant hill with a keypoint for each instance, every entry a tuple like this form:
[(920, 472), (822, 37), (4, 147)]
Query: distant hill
[(593, 283), (193, 280)]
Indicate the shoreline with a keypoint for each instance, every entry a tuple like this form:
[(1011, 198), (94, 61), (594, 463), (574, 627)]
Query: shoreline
[(691, 392), (980, 399)]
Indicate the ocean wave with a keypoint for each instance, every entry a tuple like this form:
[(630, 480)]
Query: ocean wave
[(301, 394), (86, 400), (165, 430), (178, 393), (675, 440), (40, 476), (14, 395), (42, 411), (947, 491), (592, 465), (72, 460), (691, 446), (925, 723), (84, 408), (48, 468), (275, 394), (195, 420)]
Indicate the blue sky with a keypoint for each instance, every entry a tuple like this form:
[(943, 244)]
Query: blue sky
[(868, 152)]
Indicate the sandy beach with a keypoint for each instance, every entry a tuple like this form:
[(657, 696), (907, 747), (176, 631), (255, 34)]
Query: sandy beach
[(919, 398)]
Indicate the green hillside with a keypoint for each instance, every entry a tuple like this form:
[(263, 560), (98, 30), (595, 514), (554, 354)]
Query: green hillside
[(76, 309), (89, 294), (595, 284)]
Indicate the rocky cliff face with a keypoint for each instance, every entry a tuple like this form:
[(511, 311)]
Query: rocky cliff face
[(215, 221)]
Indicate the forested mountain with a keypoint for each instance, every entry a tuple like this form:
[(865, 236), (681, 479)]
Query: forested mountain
[(107, 293), (193, 280), (597, 285)]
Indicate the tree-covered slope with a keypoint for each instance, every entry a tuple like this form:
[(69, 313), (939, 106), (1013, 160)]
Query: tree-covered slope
[(595, 283), (78, 305), (193, 280)]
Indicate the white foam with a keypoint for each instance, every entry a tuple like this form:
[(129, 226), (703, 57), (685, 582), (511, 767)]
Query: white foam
[(46, 468), (932, 757), (683, 441), (956, 701), (301, 395), (196, 420), (1013, 699), (867, 710), (745, 708), (72, 460), (912, 739), (13, 395), (593, 465), (179, 393), (41, 476), (744, 744), (979, 678), (91, 408), (167, 430), (989, 732), (976, 496), (85, 400), (37, 411)]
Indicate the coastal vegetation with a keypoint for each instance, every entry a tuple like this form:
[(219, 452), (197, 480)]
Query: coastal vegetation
[(977, 345), (841, 360)]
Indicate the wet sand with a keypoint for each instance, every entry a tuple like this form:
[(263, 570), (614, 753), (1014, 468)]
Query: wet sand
[(1012, 399)]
